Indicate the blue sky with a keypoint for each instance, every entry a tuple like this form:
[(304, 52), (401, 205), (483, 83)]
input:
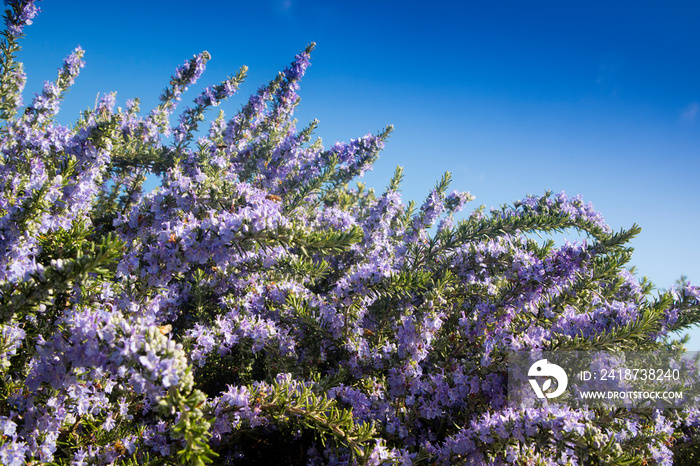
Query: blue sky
[(594, 98)]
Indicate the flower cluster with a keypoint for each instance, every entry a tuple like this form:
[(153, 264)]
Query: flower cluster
[(258, 309), (21, 13)]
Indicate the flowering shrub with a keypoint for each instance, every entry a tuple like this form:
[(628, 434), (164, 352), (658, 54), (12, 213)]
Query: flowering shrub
[(256, 309)]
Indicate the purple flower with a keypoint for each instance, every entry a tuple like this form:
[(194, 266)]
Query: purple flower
[(22, 14), (13, 453), (255, 252)]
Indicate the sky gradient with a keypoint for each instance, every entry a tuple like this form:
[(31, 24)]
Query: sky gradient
[(594, 98)]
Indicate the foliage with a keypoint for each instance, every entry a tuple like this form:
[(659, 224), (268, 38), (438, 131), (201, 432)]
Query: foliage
[(256, 309)]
